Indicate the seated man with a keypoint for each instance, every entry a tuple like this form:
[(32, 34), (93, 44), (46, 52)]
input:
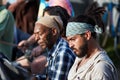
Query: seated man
[(92, 62), (60, 56), (53, 10)]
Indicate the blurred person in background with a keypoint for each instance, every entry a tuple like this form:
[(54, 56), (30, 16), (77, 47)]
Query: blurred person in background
[(25, 16), (63, 3), (6, 30), (26, 12)]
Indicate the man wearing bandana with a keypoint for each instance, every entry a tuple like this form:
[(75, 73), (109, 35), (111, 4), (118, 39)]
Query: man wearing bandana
[(92, 62)]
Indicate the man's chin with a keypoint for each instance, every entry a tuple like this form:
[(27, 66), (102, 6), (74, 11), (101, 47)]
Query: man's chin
[(78, 54), (75, 51), (44, 47)]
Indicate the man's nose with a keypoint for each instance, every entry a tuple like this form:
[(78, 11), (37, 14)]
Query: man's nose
[(70, 44), (37, 37)]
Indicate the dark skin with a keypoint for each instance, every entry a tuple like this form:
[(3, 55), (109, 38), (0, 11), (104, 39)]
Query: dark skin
[(45, 37)]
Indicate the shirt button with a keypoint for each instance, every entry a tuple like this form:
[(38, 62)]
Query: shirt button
[(78, 78)]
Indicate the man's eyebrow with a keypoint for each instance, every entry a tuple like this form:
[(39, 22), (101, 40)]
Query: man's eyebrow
[(36, 30)]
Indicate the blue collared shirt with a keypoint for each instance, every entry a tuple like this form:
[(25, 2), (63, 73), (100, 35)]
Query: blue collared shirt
[(60, 60)]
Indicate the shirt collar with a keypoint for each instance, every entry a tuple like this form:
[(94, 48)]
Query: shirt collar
[(52, 51)]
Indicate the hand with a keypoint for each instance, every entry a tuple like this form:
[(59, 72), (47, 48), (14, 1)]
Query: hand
[(42, 61), (23, 45), (12, 7), (33, 78), (37, 51), (23, 62)]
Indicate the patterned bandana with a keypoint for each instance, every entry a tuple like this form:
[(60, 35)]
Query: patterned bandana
[(74, 28)]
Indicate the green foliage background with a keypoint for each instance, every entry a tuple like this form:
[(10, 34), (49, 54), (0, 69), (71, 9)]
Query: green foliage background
[(109, 47)]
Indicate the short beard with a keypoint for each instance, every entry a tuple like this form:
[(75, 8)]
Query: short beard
[(84, 49)]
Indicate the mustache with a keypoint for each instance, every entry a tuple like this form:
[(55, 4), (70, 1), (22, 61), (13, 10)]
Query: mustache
[(42, 42), (73, 48)]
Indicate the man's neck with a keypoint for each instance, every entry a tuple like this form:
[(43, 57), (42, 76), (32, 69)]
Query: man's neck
[(86, 58)]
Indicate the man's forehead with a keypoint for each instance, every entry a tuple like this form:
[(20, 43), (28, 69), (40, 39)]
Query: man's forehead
[(74, 36), (37, 28), (69, 37)]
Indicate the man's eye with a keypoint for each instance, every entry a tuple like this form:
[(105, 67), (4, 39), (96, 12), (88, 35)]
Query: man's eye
[(72, 39), (39, 33), (36, 33)]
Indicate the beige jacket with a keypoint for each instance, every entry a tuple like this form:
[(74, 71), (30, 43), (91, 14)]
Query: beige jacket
[(99, 67)]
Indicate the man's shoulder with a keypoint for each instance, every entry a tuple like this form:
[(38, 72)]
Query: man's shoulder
[(5, 13), (66, 52), (103, 61), (63, 44), (103, 57), (64, 49)]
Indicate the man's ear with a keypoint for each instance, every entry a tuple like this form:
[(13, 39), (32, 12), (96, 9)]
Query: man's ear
[(88, 35), (54, 31)]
